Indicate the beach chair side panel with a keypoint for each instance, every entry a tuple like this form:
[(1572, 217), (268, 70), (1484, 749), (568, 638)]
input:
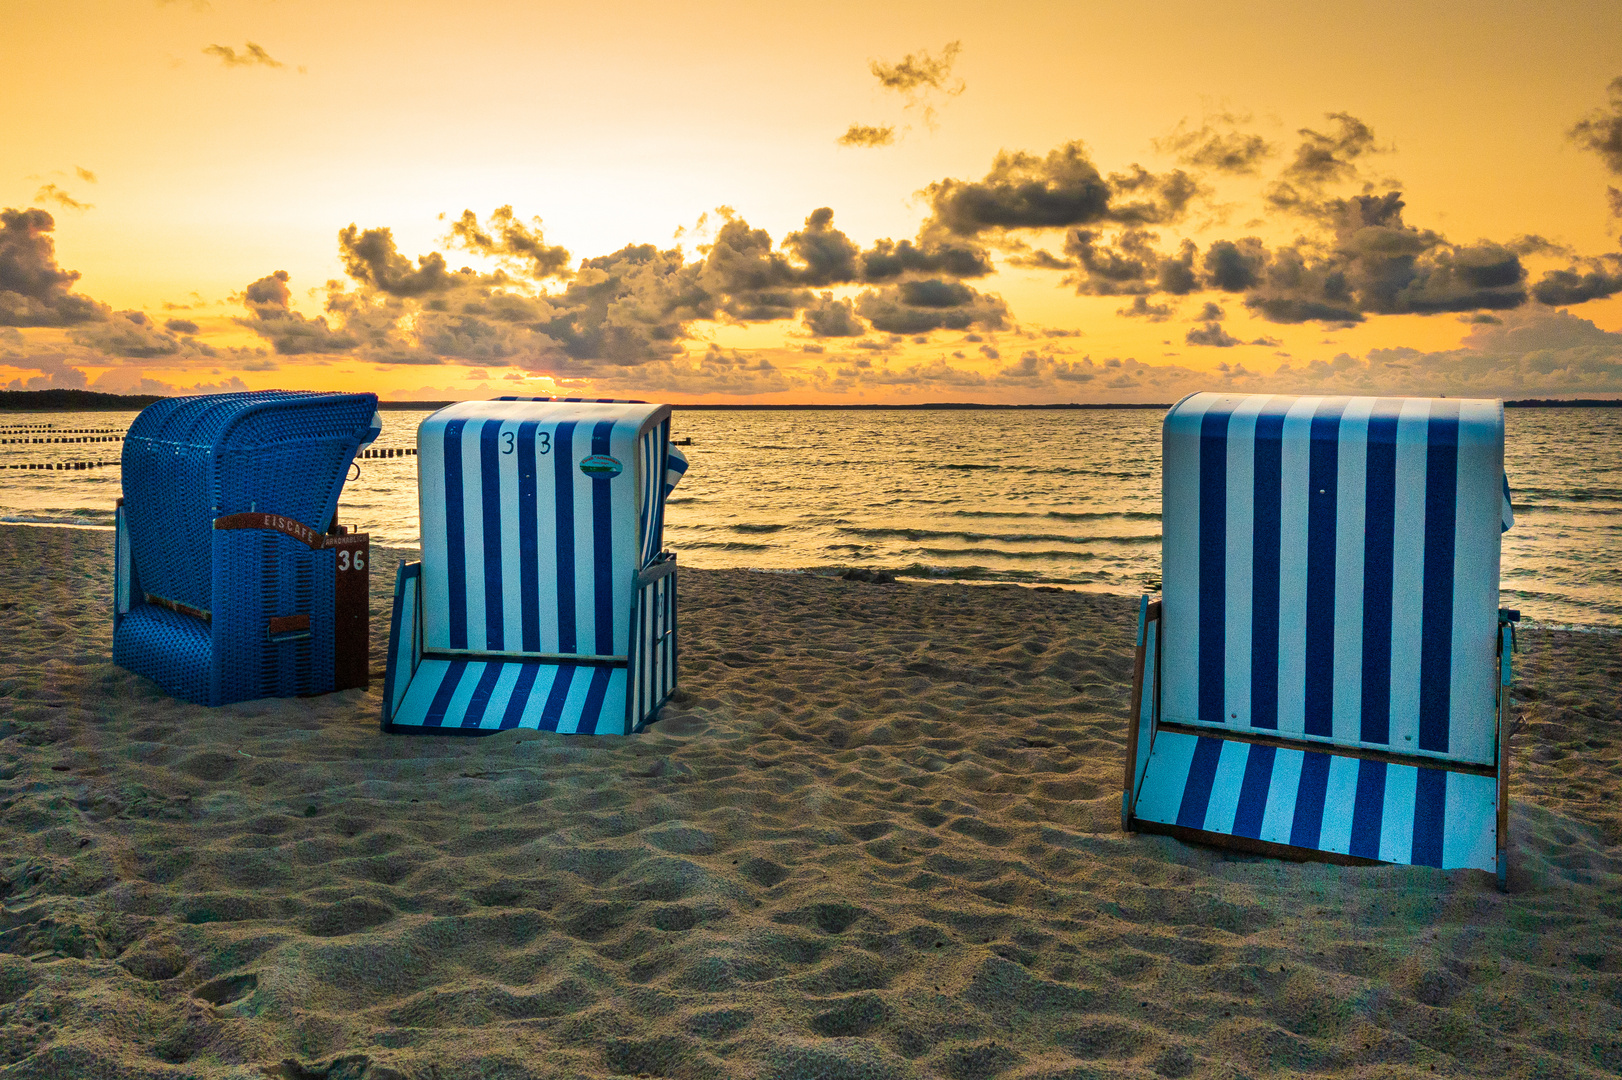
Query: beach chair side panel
[(1331, 570)]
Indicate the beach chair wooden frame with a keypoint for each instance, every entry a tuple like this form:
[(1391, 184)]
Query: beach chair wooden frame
[(1327, 672), (232, 580), (543, 599)]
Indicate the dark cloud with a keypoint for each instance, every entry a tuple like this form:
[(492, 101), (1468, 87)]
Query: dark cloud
[(916, 307), (180, 326), (1065, 188), (34, 291), (828, 255), (1211, 313), (1217, 145), (252, 55), (1142, 309), (920, 71), (131, 334), (1127, 267), (371, 258), (1211, 334), (270, 306), (1592, 280), (827, 317), (1322, 159), (508, 239), (53, 194), (868, 135), (1613, 196), (1601, 130), (887, 260), (1235, 265)]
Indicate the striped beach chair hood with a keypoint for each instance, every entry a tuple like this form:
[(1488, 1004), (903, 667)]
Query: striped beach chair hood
[(1331, 569)]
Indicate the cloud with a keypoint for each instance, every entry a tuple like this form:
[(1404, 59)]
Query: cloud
[(916, 307), (827, 317), (252, 55), (1060, 190), (1211, 313), (506, 238), (132, 334), (85, 174), (919, 71), (1142, 309), (1322, 159), (868, 135), (371, 258), (1601, 130), (180, 326), (1211, 334), (34, 291), (271, 316), (1591, 281), (1132, 265), (1218, 145), (887, 260), (54, 194)]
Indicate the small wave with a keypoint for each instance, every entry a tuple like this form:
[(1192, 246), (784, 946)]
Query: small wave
[(1095, 515), (919, 535), (745, 528), (725, 545), (69, 522)]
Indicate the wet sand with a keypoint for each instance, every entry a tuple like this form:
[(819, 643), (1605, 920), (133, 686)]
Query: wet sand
[(875, 835)]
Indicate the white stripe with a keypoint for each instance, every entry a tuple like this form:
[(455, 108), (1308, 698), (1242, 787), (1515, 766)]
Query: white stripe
[(1351, 504), (1279, 817), (1340, 797), (1476, 545), (1397, 815), (512, 581), (585, 539), (1294, 496), (456, 708), (1470, 824), (575, 704), (404, 635), (539, 692), (500, 694), (1180, 557), (546, 536), (1161, 794), (1408, 574), (473, 533), (431, 501), (1225, 787), (1237, 589)]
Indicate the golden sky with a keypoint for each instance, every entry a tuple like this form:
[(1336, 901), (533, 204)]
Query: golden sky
[(848, 202)]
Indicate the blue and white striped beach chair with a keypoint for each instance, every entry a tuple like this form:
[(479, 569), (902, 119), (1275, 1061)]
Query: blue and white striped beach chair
[(543, 599), (232, 580), (1327, 671)]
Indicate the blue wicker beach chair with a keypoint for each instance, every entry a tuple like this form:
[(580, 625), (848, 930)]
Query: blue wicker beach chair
[(544, 599), (232, 578), (1327, 671)]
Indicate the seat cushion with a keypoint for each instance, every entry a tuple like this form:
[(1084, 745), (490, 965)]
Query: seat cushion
[(492, 696)]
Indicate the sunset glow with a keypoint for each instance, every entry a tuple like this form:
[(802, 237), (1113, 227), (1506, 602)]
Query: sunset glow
[(1030, 202)]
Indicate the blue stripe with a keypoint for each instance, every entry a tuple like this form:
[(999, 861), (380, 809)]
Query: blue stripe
[(1197, 790), (1264, 578), (1213, 565), (1309, 800), (399, 634), (529, 563), (1323, 474), (1436, 629), (563, 478), (1430, 804), (552, 711), (1368, 811), (602, 524), (521, 691), (593, 710), (1247, 821), (455, 542), (481, 696), (490, 477), (442, 697), (1379, 544)]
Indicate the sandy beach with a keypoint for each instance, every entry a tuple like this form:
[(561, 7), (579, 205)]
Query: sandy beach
[(876, 834)]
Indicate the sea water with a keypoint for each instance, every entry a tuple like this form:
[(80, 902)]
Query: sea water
[(1064, 497)]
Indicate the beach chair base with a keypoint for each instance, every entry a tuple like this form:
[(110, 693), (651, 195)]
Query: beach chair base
[(1292, 798), (444, 693)]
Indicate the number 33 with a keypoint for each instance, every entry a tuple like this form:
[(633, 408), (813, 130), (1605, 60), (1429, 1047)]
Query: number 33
[(543, 442)]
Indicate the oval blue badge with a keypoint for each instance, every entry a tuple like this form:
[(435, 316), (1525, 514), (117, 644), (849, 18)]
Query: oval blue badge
[(602, 465)]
